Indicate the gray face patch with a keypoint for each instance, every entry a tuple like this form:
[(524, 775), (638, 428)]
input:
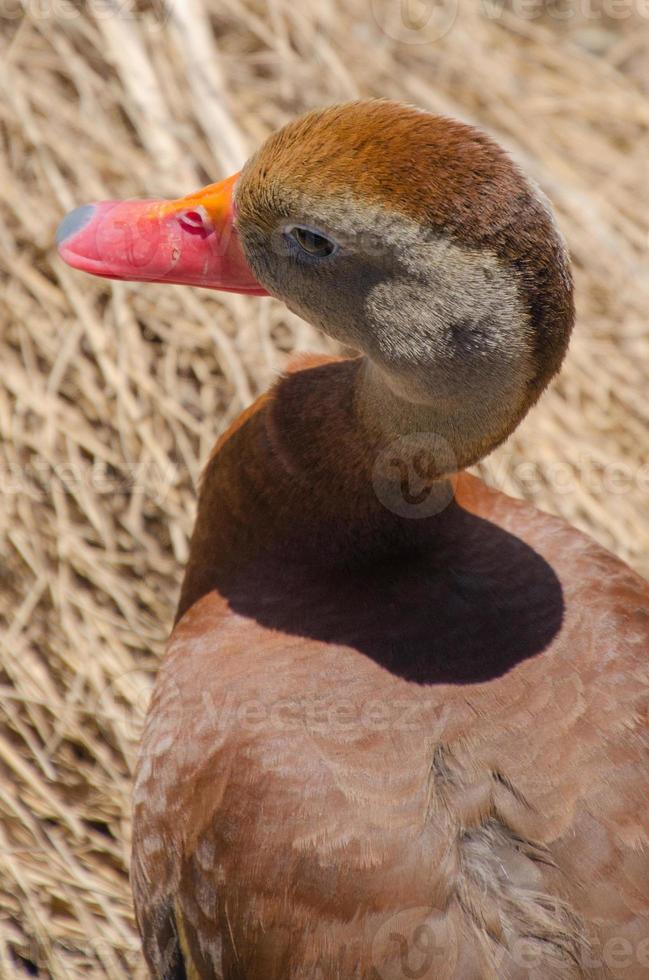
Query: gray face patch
[(445, 326), (446, 321)]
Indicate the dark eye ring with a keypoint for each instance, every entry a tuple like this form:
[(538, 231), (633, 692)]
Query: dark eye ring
[(312, 242)]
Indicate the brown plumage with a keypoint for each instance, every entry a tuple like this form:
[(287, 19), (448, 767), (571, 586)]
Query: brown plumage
[(401, 728)]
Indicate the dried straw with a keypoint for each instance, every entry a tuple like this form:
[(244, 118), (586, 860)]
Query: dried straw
[(111, 395)]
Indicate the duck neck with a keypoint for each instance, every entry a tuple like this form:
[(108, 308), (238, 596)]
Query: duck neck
[(344, 431), (331, 467)]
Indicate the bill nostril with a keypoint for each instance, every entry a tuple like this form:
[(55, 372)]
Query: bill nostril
[(74, 222)]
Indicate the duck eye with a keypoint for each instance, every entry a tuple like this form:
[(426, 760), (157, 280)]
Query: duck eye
[(312, 242)]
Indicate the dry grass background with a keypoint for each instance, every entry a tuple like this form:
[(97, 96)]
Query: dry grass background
[(112, 395)]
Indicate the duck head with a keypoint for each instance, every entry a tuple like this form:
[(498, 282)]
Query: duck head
[(410, 237)]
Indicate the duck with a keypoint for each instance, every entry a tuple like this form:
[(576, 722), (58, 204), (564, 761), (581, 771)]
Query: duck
[(401, 725)]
